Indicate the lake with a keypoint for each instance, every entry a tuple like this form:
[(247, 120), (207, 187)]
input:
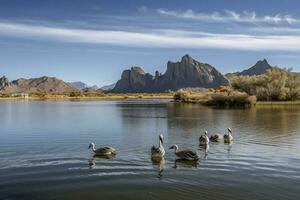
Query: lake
[(44, 151)]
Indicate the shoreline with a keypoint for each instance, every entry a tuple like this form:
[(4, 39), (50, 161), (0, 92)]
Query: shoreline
[(134, 97), (104, 97)]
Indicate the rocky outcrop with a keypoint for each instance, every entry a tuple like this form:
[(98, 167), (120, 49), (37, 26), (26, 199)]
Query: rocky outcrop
[(259, 68), (134, 80), (43, 84), (191, 73), (187, 73)]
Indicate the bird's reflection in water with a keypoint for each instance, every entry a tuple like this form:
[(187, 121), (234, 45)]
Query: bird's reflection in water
[(92, 161), (205, 149), (159, 163), (229, 146), (185, 163)]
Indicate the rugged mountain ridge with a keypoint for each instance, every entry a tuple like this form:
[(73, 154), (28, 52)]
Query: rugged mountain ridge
[(43, 84), (185, 73)]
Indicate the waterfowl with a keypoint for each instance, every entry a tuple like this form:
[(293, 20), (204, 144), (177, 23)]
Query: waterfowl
[(159, 151), (103, 151), (185, 154), (228, 137), (204, 140), (216, 137)]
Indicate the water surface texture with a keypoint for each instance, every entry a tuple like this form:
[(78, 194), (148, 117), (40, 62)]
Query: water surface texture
[(44, 151)]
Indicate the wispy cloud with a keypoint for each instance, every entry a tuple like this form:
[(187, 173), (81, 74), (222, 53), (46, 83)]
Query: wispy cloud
[(229, 16), (157, 38)]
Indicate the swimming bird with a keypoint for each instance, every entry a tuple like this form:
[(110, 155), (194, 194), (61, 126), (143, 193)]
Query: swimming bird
[(228, 137), (158, 152), (204, 140), (103, 151), (216, 137), (185, 154)]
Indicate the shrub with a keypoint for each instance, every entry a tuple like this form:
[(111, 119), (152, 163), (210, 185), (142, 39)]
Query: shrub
[(234, 99), (275, 85), (181, 96), (75, 94)]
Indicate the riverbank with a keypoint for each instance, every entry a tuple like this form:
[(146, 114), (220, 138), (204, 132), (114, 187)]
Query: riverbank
[(201, 98), (277, 103), (108, 96)]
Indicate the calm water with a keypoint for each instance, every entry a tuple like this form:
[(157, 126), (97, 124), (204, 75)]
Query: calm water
[(44, 151)]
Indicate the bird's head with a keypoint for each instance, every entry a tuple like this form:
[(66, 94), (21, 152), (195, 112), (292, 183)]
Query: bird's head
[(174, 147), (229, 130), (91, 145), (205, 132), (161, 138)]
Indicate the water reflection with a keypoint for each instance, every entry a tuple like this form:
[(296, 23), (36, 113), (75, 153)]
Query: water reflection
[(229, 146), (92, 161), (204, 148), (159, 164), (182, 163), (265, 150)]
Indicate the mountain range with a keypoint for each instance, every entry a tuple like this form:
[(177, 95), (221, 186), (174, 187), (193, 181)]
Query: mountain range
[(186, 73), (43, 84), (183, 74)]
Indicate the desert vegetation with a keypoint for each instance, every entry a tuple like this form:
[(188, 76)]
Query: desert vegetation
[(91, 95), (275, 85), (221, 97)]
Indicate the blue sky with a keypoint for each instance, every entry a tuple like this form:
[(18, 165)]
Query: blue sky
[(94, 41)]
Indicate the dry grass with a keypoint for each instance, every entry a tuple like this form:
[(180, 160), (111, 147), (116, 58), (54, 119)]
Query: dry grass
[(100, 96)]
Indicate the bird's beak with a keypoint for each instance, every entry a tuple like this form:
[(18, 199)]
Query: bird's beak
[(171, 147)]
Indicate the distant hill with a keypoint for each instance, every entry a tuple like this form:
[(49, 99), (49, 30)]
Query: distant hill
[(94, 87), (43, 84), (108, 87), (259, 68), (79, 85), (83, 86), (187, 73)]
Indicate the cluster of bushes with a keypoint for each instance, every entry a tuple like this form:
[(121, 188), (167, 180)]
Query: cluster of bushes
[(4, 95), (275, 85), (221, 97), (231, 99), (190, 97), (38, 94)]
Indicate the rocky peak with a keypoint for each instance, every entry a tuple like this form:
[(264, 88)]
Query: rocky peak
[(259, 68), (137, 70), (187, 59)]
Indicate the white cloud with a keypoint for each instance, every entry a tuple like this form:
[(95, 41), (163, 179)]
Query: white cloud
[(230, 16), (158, 38), (275, 30)]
